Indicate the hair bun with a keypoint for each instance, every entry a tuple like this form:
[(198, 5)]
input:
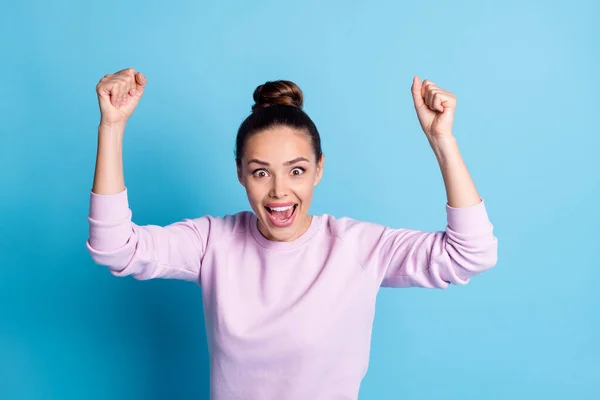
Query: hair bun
[(279, 92)]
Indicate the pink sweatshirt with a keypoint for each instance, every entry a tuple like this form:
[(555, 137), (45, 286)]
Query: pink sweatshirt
[(289, 320)]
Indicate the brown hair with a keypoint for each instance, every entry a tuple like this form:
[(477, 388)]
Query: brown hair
[(277, 103)]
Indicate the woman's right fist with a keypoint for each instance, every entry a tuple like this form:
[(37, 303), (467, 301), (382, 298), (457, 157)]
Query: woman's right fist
[(119, 94)]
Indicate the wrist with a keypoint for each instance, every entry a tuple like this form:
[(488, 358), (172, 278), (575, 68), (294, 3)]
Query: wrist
[(444, 146), (112, 126)]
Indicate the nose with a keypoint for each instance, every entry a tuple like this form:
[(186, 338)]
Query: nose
[(278, 188)]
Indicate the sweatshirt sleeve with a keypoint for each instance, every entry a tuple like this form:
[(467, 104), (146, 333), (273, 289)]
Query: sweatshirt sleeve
[(413, 258), (145, 252)]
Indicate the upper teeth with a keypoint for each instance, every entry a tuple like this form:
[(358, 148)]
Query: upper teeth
[(281, 208)]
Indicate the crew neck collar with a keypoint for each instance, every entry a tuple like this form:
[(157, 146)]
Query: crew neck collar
[(275, 245)]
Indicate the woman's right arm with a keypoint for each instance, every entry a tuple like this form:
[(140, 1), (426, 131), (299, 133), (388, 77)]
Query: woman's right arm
[(108, 176), (148, 251), (174, 251), (118, 96)]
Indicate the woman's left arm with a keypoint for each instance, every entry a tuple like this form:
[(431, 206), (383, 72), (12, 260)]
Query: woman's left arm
[(435, 109), (466, 247)]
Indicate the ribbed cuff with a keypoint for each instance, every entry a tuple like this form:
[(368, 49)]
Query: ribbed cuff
[(471, 219), (109, 207)]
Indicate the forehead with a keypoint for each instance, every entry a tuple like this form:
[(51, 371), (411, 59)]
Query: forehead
[(278, 145)]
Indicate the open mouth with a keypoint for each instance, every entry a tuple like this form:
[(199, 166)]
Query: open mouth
[(282, 216)]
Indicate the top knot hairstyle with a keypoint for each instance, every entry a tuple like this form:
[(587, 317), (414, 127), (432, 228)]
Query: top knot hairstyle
[(277, 103)]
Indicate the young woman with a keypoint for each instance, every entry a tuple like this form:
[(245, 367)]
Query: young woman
[(289, 297)]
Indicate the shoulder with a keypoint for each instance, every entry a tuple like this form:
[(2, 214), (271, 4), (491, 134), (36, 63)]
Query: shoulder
[(215, 228), (350, 229), (359, 239)]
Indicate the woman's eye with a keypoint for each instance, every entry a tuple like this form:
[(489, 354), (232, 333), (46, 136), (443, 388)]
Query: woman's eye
[(298, 171), (261, 173)]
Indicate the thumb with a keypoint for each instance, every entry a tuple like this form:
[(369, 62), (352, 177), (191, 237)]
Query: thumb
[(416, 92), (140, 83)]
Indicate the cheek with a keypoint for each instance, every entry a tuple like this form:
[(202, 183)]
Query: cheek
[(256, 192), (304, 189)]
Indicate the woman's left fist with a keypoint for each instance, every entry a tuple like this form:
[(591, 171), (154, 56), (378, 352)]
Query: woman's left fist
[(435, 108)]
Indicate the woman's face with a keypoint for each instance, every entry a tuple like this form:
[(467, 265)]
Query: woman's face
[(279, 172)]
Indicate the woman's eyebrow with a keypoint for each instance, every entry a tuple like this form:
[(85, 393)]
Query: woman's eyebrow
[(295, 160), (254, 160)]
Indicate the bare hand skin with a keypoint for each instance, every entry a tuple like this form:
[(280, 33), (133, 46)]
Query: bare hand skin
[(118, 96), (435, 109), (434, 106)]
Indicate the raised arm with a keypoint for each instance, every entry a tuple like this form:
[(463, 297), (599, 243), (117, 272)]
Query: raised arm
[(435, 110), (412, 258), (118, 96), (148, 251), (467, 245)]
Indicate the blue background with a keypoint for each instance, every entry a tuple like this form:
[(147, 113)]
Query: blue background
[(525, 76)]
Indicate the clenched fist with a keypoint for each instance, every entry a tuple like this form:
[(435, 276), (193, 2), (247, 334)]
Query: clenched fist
[(435, 108), (119, 94)]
